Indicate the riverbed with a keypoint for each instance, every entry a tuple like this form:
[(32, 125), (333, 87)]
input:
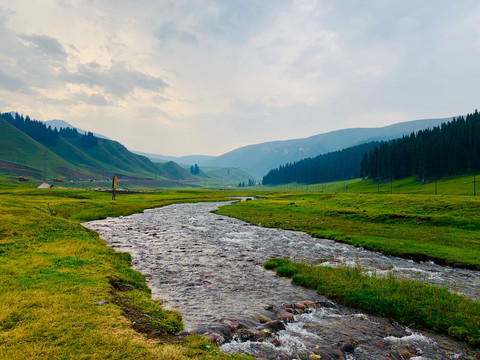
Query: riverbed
[(209, 267)]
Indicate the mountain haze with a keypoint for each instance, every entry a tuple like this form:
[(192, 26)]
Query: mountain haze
[(258, 159), (61, 124)]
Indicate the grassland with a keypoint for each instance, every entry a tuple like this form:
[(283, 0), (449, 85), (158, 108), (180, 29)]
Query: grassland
[(462, 185), (64, 294), (444, 229), (409, 302)]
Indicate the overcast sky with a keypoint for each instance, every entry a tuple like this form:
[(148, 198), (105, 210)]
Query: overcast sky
[(207, 76)]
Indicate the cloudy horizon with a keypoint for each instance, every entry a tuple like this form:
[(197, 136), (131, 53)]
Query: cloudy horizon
[(208, 76)]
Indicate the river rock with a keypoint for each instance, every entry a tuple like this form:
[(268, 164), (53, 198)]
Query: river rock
[(262, 319), (284, 315), (232, 324), (348, 348), (275, 325), (215, 338)]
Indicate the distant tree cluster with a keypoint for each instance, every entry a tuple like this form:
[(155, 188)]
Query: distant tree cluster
[(251, 182), (338, 165), (450, 149), (88, 140), (68, 132), (33, 128), (194, 170)]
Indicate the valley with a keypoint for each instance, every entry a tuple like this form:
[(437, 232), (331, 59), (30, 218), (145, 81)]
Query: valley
[(53, 249)]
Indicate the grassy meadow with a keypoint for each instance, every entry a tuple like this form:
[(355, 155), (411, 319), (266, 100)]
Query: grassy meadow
[(442, 228), (64, 294)]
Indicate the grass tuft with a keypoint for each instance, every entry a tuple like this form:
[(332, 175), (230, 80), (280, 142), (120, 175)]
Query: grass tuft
[(406, 301)]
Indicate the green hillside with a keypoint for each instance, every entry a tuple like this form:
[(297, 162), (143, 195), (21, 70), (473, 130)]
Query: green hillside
[(20, 155), (234, 175), (112, 157), (172, 169), (87, 161)]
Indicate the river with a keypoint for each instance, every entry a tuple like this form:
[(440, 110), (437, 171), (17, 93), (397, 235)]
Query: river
[(209, 267)]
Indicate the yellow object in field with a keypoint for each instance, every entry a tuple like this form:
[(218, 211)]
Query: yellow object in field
[(114, 182)]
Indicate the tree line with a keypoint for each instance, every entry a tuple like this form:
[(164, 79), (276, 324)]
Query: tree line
[(337, 165), (33, 128), (44, 134), (450, 149)]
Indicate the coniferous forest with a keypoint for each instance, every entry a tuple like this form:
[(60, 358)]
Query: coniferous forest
[(33, 128), (338, 165), (447, 150), (45, 134)]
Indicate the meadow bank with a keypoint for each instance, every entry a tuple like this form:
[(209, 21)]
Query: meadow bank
[(65, 294)]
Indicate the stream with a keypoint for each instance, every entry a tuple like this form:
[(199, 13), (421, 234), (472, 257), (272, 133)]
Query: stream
[(209, 267)]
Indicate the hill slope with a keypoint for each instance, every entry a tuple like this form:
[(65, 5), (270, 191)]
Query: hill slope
[(22, 155), (260, 158)]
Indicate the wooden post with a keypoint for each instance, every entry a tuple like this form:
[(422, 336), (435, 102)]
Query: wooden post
[(114, 187)]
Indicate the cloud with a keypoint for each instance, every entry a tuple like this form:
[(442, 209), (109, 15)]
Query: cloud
[(118, 80), (169, 32), (166, 31), (91, 99), (46, 46), (11, 83)]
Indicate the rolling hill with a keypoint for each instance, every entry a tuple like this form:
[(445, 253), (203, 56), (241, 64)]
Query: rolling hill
[(20, 155), (23, 153)]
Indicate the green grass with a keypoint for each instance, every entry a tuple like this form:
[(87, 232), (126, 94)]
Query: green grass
[(406, 301), (444, 229), (462, 185), (64, 294)]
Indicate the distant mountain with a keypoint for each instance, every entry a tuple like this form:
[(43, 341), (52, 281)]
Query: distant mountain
[(258, 159), (60, 124), (184, 160)]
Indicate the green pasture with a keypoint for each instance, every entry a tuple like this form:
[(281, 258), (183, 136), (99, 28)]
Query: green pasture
[(65, 295), (445, 229)]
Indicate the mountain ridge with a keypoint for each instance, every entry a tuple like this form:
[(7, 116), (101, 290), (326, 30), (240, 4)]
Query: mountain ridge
[(262, 157)]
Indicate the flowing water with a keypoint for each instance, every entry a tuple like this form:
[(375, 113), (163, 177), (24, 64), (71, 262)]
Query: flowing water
[(209, 267)]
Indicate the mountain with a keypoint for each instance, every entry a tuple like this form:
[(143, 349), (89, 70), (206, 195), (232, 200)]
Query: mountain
[(27, 142), (258, 159), (60, 124), (27, 147), (184, 160), (20, 155)]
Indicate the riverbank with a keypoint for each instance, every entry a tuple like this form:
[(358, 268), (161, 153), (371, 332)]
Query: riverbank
[(409, 302), (442, 229), (65, 294), (209, 267)]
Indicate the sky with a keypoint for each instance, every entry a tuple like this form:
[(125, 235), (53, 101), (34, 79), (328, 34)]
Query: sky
[(208, 76)]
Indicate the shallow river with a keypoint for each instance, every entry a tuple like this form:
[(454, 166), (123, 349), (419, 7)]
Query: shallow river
[(209, 267)]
